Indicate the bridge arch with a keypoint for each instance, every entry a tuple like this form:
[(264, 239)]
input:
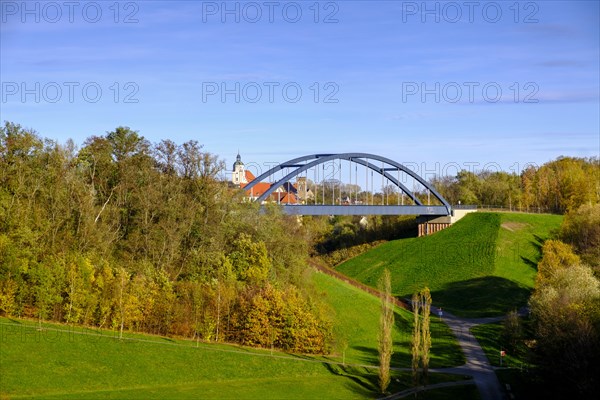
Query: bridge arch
[(304, 163)]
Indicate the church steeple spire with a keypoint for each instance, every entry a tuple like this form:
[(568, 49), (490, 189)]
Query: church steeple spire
[(239, 175), (238, 161)]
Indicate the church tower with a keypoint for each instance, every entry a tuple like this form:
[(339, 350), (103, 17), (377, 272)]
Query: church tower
[(238, 175), (301, 187)]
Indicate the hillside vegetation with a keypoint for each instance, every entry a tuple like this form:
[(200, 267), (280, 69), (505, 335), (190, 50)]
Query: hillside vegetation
[(483, 265), (67, 362), (130, 235)]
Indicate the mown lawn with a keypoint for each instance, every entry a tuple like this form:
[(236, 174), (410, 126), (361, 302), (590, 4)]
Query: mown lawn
[(518, 249), (357, 321), (484, 265), (66, 362)]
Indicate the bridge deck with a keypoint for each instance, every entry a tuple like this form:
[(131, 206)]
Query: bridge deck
[(364, 210)]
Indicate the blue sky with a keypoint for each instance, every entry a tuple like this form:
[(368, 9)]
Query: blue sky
[(431, 84)]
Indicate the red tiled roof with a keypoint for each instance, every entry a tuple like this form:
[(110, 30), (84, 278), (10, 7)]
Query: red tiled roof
[(276, 197), (285, 195), (286, 198), (258, 189)]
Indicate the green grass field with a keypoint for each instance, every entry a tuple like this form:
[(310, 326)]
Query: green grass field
[(519, 244), (489, 337), (75, 362), (357, 322), (483, 265)]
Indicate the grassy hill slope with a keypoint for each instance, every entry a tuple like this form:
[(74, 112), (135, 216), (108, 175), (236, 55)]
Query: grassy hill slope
[(356, 322), (483, 265), (70, 363), (75, 362)]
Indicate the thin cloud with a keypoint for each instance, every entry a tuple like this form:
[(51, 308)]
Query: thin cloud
[(561, 64)]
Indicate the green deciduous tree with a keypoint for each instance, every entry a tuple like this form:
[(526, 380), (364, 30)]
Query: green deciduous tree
[(249, 260), (415, 344), (512, 331), (556, 256), (581, 229), (565, 309), (566, 314)]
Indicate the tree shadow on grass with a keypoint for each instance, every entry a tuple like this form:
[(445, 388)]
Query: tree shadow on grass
[(360, 381), (531, 263), (539, 242), (481, 297), (533, 258), (370, 355)]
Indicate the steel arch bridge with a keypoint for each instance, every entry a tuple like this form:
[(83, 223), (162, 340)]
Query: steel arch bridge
[(303, 164)]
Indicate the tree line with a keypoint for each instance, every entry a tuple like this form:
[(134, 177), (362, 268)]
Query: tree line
[(131, 235), (557, 186)]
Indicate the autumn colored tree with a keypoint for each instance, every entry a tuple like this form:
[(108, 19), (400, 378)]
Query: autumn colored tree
[(282, 319), (415, 344), (563, 184), (565, 310), (581, 229), (386, 326), (421, 338), (556, 256), (557, 186), (512, 331)]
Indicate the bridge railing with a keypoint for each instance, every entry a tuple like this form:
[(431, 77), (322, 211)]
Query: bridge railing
[(326, 209), (465, 207), (529, 210)]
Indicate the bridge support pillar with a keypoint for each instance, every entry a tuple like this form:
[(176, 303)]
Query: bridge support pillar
[(429, 224), (427, 228)]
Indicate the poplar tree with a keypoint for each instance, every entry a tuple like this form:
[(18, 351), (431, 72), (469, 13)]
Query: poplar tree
[(386, 323), (416, 340), (421, 340)]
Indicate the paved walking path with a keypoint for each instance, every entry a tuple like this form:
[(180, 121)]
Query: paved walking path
[(477, 365)]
